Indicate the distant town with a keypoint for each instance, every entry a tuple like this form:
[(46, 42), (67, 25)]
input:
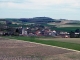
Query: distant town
[(40, 26)]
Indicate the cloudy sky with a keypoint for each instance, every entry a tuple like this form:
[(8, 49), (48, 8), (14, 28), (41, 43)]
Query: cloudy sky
[(57, 9)]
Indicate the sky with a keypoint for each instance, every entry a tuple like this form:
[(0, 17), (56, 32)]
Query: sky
[(56, 9)]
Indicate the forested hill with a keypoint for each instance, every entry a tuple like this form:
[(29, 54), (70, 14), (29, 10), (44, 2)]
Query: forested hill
[(30, 20), (38, 20)]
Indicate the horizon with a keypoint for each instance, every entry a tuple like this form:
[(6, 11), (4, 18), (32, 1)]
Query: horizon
[(55, 9), (35, 17)]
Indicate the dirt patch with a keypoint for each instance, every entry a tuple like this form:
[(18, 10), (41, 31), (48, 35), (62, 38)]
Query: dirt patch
[(66, 56)]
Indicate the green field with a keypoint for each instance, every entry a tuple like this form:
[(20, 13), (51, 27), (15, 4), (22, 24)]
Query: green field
[(68, 29), (64, 27), (67, 25), (69, 45), (70, 40)]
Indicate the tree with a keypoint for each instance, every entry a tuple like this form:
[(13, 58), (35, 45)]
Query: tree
[(77, 30), (72, 34), (16, 32)]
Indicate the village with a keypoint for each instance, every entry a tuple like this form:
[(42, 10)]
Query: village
[(38, 30)]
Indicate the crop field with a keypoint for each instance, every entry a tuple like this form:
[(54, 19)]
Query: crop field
[(12, 49), (68, 29), (70, 40), (66, 25)]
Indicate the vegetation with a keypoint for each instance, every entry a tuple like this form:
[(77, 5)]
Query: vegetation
[(49, 42), (68, 29), (44, 21), (52, 27)]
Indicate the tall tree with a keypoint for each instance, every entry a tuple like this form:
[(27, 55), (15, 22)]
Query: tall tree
[(72, 34)]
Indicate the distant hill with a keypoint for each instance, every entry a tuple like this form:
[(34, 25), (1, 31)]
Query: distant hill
[(38, 20)]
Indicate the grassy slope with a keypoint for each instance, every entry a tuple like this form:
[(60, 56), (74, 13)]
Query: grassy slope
[(65, 27), (54, 43)]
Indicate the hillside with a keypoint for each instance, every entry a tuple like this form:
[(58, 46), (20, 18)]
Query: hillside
[(66, 23), (37, 20), (40, 20)]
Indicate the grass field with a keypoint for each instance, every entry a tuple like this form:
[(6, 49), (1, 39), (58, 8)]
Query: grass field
[(64, 44), (68, 29), (70, 40), (66, 25)]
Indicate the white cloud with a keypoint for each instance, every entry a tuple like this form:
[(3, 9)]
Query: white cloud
[(38, 4), (15, 1), (20, 5)]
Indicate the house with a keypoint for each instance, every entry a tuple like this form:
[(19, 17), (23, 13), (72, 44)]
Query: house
[(1, 33)]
